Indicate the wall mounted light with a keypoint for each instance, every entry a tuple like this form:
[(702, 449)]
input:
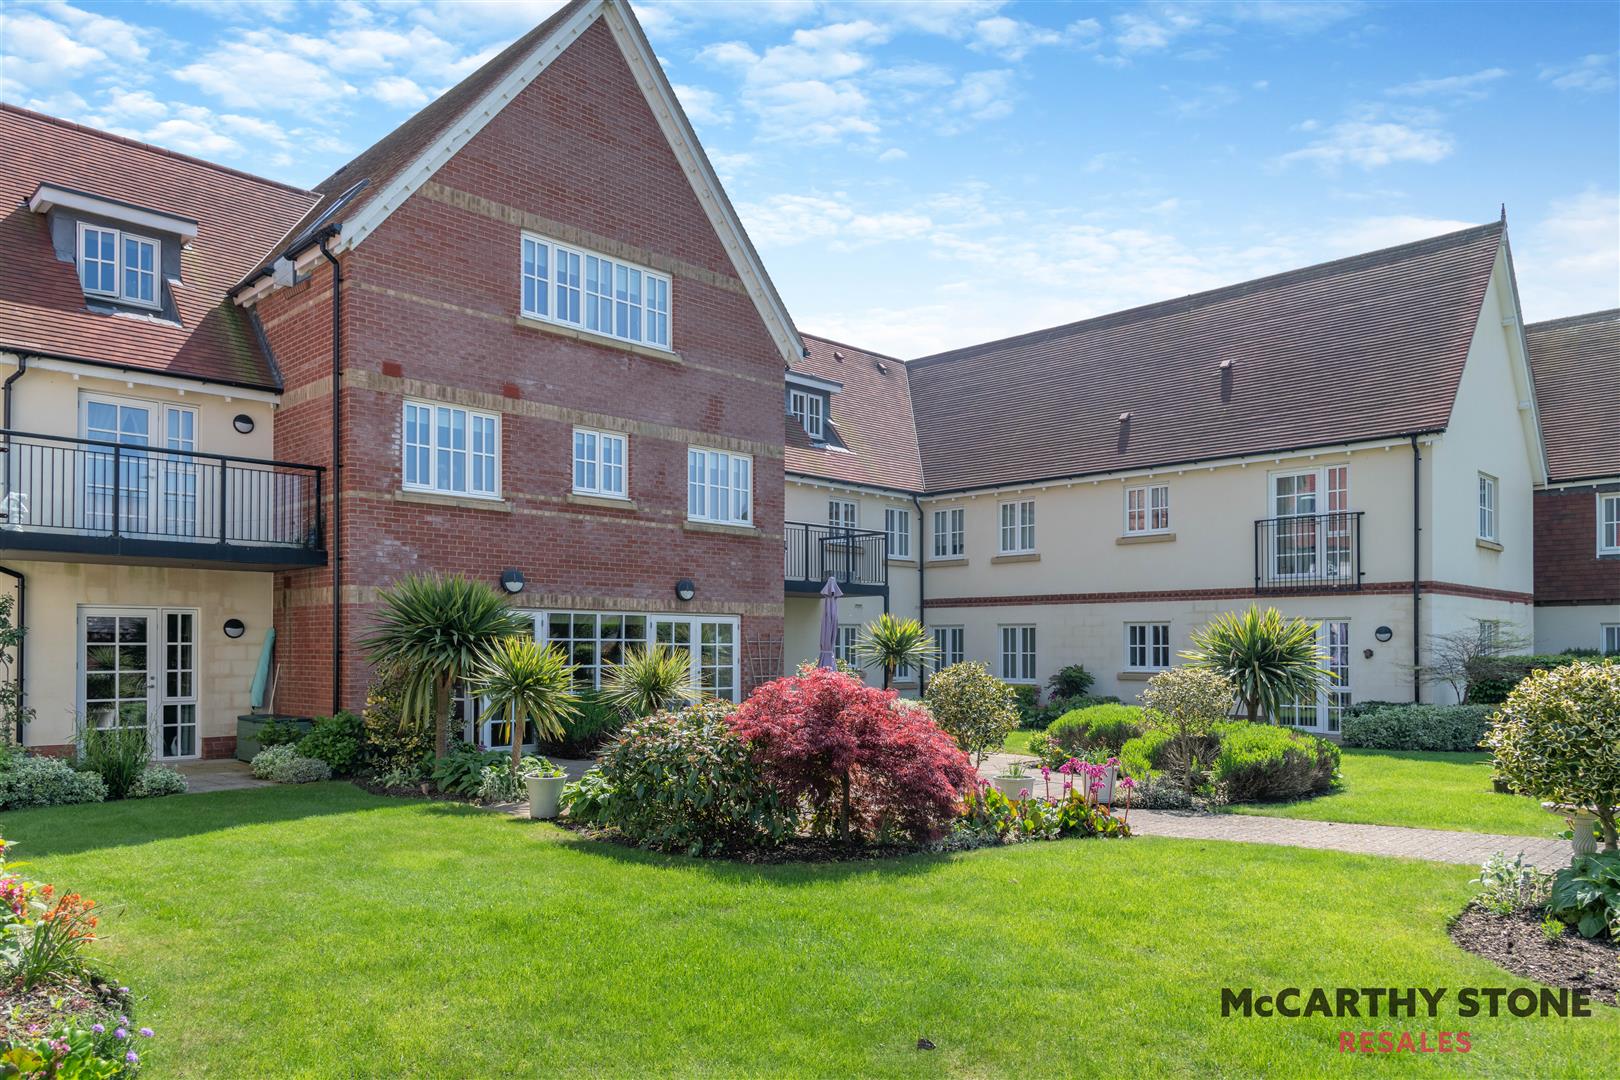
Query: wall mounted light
[(684, 589), (1383, 633), (512, 581), (242, 422), (235, 628), (1367, 654)]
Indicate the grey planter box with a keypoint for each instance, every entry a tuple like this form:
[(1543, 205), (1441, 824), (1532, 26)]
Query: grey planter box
[(248, 728)]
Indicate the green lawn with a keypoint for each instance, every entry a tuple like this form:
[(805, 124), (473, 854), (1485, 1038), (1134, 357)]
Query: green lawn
[(320, 931), (1017, 741), (1424, 790)]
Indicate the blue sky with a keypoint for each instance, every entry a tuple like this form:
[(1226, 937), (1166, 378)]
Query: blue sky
[(921, 176)]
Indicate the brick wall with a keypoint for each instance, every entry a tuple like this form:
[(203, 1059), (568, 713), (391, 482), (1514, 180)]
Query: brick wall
[(1568, 569), (430, 310)]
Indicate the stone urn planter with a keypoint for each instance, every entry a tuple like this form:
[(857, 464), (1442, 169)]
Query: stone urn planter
[(1582, 822), (544, 792), (1010, 786)]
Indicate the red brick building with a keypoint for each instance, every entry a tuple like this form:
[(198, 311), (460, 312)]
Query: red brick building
[(1576, 364)]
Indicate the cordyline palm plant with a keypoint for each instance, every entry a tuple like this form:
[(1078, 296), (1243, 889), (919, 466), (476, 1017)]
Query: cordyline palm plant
[(649, 681), (892, 644), (527, 681), (436, 629), (1270, 660)]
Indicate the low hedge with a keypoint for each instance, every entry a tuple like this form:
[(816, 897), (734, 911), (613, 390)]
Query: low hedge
[(1096, 727), (1492, 678), (1261, 763), (1145, 755), (1418, 727)]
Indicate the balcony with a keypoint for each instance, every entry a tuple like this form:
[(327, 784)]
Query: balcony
[(858, 559), (86, 500), (1308, 553)]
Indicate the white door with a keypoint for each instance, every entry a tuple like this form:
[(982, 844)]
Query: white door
[(157, 492), (1312, 537), (118, 684), (1326, 713), (712, 645)]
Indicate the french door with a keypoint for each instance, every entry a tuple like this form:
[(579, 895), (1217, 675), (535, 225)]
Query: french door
[(138, 669), (712, 645), (1326, 713), (1312, 536), (154, 482)]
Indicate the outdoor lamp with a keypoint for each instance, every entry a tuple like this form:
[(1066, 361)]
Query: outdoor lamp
[(1383, 633), (684, 589), (512, 581), (235, 628), (242, 422)]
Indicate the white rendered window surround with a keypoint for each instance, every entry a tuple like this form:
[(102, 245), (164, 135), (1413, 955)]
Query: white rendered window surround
[(809, 410), (719, 487), (950, 537), (948, 640), (1147, 509), (1018, 654), (1611, 639), (1147, 646), (118, 265), (451, 450), (600, 463), (572, 286), (1608, 523), (1017, 530), (897, 529), (844, 643), (843, 513), (1487, 507)]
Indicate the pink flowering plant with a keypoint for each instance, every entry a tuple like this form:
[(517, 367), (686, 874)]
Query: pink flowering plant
[(989, 817)]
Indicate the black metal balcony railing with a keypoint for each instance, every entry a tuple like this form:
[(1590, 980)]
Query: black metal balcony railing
[(855, 557), (92, 497), (1313, 552)]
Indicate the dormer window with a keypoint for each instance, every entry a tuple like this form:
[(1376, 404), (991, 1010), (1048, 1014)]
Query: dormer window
[(810, 411), (118, 265)]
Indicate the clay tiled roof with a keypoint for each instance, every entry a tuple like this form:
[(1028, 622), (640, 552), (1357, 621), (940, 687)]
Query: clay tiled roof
[(42, 307), (1358, 349), (875, 440), (1576, 366)]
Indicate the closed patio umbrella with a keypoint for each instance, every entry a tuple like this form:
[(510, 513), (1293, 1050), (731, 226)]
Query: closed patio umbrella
[(830, 593)]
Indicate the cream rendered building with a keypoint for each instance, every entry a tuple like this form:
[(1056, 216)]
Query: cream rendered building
[(1355, 443)]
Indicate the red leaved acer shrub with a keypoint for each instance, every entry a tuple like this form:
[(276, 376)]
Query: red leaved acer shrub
[(854, 755)]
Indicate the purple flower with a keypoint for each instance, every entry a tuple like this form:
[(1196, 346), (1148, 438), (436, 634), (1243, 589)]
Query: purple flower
[(1045, 772), (1127, 783), (133, 1058), (1023, 793), (146, 1033), (1096, 785), (123, 1019), (120, 1033), (1113, 762), (98, 1028)]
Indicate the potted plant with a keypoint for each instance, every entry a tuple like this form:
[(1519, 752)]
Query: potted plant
[(1014, 779), (545, 783), (1104, 774)]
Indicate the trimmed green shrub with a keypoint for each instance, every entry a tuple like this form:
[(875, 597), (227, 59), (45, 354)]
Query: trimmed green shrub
[(285, 765), (973, 707), (278, 732), (28, 780), (337, 740), (1492, 678), (118, 755), (1071, 681), (394, 744), (159, 780), (1146, 755), (1097, 727), (1418, 727), (1027, 700), (1261, 763)]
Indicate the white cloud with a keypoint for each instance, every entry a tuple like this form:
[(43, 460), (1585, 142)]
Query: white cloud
[(982, 95), (806, 90), (1203, 101), (56, 43), (893, 153), (399, 92), (1013, 39), (1370, 234), (1371, 139), (1590, 74), (702, 105), (264, 69), (1569, 261), (1469, 87), (254, 11)]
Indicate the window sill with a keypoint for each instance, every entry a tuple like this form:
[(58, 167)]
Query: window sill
[(611, 502), (901, 561), (1135, 676), (1146, 538), (1488, 545), (949, 560), (591, 337), (723, 530), (464, 502), (1021, 556)]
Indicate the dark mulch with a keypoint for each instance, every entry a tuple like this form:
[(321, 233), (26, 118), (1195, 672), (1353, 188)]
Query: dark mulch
[(27, 1014), (798, 849), (425, 789), (1516, 943)]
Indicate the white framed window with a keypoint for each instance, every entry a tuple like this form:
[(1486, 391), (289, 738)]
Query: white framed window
[(950, 538), (844, 643), (719, 486), (450, 449), (1611, 639), (843, 513), (948, 641), (1017, 526), (1608, 524), (810, 411), (1147, 509), (599, 463), (1326, 712), (1147, 646), (118, 264), (897, 528), (569, 285), (1487, 507), (1313, 532), (1018, 654)]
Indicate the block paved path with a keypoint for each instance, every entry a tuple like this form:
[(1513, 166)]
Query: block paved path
[(1436, 845)]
